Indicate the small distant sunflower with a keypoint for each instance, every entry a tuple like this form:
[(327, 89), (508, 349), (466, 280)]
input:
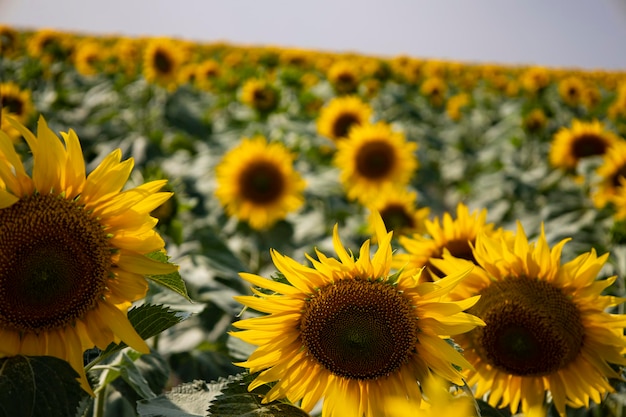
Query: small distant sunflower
[(547, 326), (434, 89), (611, 173), (206, 73), (535, 79), (398, 209), (9, 41), (162, 60), (341, 114), (344, 76), (582, 140), (49, 45), (571, 90), (534, 121), (72, 248), (87, 57), (257, 182), (455, 105), (16, 103), (372, 157), (351, 333), (260, 94), (454, 235)]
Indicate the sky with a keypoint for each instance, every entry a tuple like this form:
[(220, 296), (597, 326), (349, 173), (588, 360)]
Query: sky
[(557, 33)]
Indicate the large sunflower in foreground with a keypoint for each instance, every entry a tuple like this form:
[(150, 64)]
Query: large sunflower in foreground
[(72, 248), (351, 333), (257, 182), (340, 115), (373, 157), (547, 329), (582, 140), (456, 235)]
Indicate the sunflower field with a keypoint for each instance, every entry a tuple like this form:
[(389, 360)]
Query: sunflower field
[(198, 229)]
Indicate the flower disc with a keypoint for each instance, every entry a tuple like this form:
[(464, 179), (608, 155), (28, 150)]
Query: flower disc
[(359, 329), (56, 260), (532, 329)]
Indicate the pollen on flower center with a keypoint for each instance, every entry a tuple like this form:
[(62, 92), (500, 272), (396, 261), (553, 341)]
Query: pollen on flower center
[(55, 263), (375, 159), (359, 329), (261, 182), (532, 328)]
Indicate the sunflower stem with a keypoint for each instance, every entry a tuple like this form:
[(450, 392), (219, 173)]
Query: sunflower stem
[(100, 402)]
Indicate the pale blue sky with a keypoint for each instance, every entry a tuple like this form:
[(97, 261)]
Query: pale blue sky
[(565, 33)]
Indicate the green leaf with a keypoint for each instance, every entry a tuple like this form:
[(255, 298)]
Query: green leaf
[(149, 320), (33, 386), (133, 377), (173, 280), (186, 400), (236, 401)]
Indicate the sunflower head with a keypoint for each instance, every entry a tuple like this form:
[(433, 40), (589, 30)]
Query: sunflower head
[(571, 90), (49, 45), (206, 73), (16, 103), (534, 121), (397, 207), (350, 331), (583, 140), (9, 41), (445, 234), (611, 174), (547, 329), (257, 182), (162, 60), (456, 104), (88, 57), (434, 89), (260, 95), (73, 249), (340, 115), (344, 76), (535, 79), (372, 157)]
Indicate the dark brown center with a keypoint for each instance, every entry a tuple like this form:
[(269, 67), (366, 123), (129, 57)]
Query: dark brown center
[(55, 263), (262, 182), (359, 329)]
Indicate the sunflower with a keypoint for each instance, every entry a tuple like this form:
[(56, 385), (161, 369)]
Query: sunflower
[(87, 57), (534, 121), (397, 207), (340, 114), (535, 79), (372, 157), (49, 45), (582, 140), (260, 95), (611, 173), (16, 103), (206, 73), (351, 333), (257, 182), (434, 89), (72, 248), (9, 41), (456, 104), (571, 90), (162, 59), (344, 77), (547, 326), (454, 235)]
